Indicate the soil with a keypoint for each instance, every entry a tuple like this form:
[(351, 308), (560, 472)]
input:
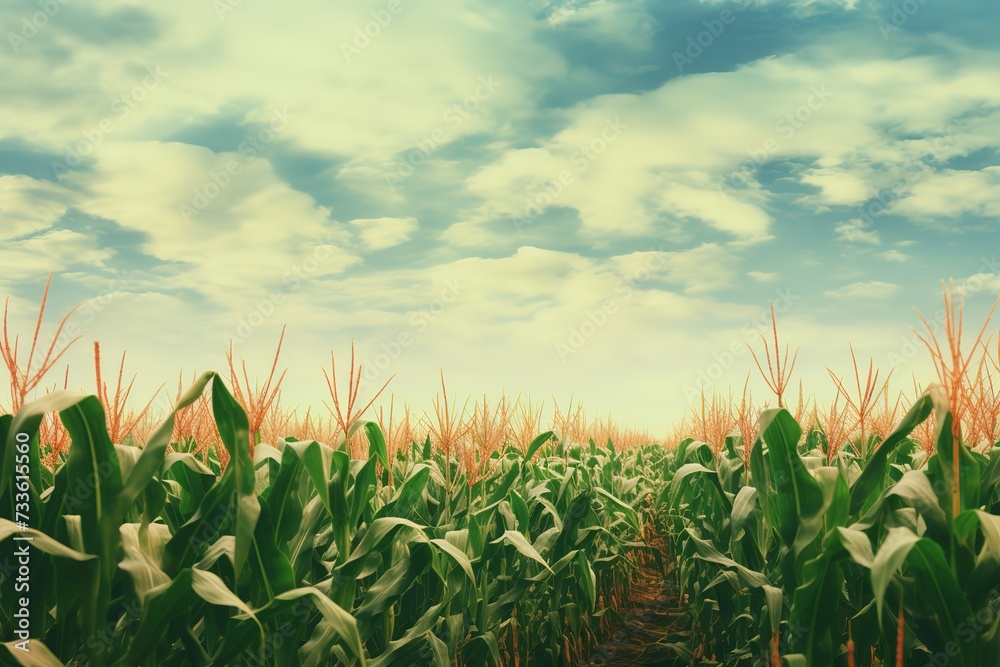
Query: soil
[(653, 618)]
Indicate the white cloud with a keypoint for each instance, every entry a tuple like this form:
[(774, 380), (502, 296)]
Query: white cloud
[(446, 50), (857, 231), (643, 165), (894, 256), (838, 187), (474, 234), (31, 258), (981, 282), (872, 289), (626, 22), (951, 194), (806, 7), (28, 205), (723, 212), (382, 233), (706, 268), (254, 236), (684, 141)]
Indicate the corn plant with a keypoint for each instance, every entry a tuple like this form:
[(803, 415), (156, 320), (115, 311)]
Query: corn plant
[(299, 554), (814, 549)]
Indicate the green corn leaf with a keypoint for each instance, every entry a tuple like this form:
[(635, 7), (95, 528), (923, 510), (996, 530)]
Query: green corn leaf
[(144, 556), (677, 485), (376, 444), (874, 471), (536, 444), (973, 528), (407, 500), (336, 618), (942, 607), (706, 551), (518, 541), (234, 429), (816, 600), (793, 490), (969, 471), (631, 516), (172, 601), (34, 654)]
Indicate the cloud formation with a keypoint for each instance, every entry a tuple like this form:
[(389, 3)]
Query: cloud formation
[(533, 195)]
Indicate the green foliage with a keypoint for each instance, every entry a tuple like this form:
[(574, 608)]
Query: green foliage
[(832, 549), (301, 555)]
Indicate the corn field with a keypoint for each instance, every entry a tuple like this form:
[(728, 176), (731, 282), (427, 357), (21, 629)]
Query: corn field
[(303, 554), (863, 535)]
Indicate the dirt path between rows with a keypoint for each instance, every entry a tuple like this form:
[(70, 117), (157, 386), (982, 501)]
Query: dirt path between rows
[(654, 615)]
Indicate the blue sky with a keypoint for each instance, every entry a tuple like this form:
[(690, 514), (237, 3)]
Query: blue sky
[(596, 198)]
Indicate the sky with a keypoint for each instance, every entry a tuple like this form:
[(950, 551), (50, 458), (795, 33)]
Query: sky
[(587, 198)]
